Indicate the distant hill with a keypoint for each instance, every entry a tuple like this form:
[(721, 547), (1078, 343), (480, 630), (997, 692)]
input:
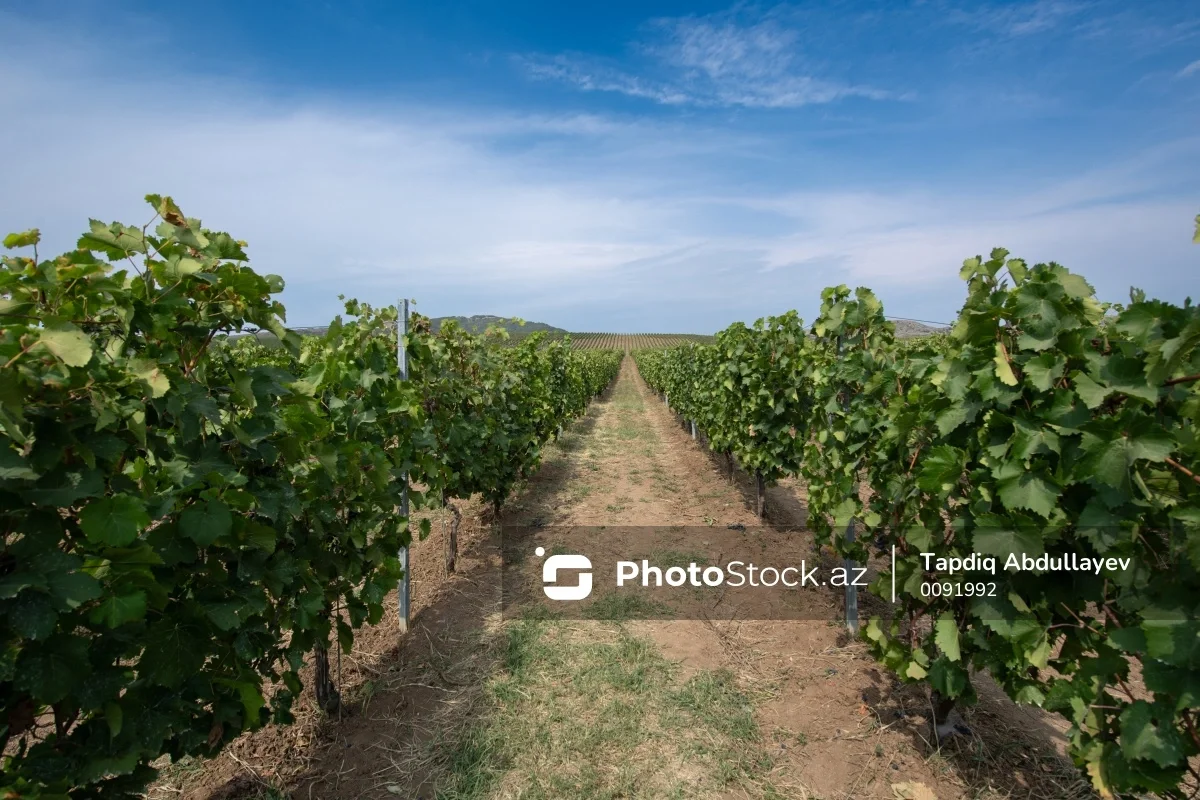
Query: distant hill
[(907, 329), (476, 324), (480, 322)]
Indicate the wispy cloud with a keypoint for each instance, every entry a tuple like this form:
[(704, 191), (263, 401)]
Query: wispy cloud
[(1120, 30), (1020, 19), (756, 65), (591, 76), (1190, 69), (1131, 29), (715, 60)]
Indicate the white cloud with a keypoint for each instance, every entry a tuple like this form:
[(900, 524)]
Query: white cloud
[(708, 61), (755, 65), (1190, 69)]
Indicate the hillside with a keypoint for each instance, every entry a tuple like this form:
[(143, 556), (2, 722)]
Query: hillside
[(480, 322), (475, 324), (908, 329)]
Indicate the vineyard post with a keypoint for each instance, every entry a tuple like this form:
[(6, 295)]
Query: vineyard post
[(850, 566), (450, 537), (693, 430), (851, 588), (402, 362)]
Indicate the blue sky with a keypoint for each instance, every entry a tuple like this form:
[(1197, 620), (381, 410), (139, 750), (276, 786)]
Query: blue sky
[(620, 166)]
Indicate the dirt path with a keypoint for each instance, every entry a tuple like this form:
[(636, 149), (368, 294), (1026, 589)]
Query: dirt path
[(482, 701)]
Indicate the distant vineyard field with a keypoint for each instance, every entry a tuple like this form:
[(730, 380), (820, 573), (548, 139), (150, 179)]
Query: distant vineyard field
[(634, 341)]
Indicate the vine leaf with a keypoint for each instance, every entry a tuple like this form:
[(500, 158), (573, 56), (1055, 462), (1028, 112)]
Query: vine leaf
[(152, 374), (1004, 370), (1095, 769), (206, 522), (1091, 393), (73, 589), (33, 236), (32, 615), (946, 637), (941, 469), (1043, 371), (1144, 736), (71, 345), (116, 610), (1110, 454), (1020, 488), (114, 521)]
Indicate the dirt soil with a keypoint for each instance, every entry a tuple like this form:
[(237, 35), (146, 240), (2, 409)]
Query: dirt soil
[(831, 723)]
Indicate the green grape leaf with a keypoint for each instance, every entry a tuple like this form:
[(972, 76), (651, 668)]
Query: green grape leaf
[(32, 615), (69, 344), (1004, 370), (1020, 488), (946, 637), (1145, 736), (72, 589), (206, 522), (116, 610), (23, 239), (1091, 393), (940, 469), (114, 521), (152, 374)]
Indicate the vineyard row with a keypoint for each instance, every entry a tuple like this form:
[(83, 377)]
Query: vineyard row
[(183, 513), (1043, 423)]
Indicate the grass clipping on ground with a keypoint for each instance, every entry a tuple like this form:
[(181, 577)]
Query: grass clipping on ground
[(588, 710)]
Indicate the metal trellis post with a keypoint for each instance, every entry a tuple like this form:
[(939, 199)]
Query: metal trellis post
[(402, 362)]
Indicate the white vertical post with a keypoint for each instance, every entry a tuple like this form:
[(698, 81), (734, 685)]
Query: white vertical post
[(402, 363), (850, 566), (693, 429)]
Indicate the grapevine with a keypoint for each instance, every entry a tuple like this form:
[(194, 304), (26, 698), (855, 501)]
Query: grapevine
[(183, 512), (1043, 423)]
